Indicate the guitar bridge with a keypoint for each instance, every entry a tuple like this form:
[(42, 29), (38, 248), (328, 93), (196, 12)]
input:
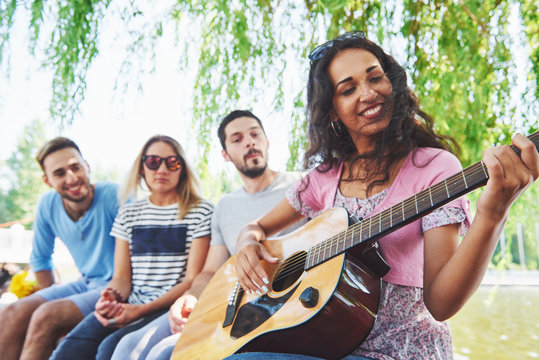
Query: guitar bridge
[(233, 302)]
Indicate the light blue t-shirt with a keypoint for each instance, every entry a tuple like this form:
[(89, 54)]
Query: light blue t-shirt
[(88, 239)]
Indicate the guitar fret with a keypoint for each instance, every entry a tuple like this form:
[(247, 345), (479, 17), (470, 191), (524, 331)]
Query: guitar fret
[(391, 216), (446, 188), (484, 169), (370, 227), (402, 207), (380, 224), (415, 199), (464, 178), (430, 195)]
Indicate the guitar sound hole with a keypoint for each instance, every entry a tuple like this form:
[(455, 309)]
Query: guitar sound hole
[(289, 271)]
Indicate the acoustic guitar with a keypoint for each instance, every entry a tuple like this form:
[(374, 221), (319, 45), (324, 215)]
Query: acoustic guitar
[(323, 295)]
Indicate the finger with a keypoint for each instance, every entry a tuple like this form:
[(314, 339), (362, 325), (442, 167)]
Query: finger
[(267, 256), (102, 304), (103, 321), (244, 269), (188, 306), (528, 153), (115, 311), (252, 274)]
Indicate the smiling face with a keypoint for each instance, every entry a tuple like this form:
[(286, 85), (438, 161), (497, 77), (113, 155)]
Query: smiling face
[(162, 180), (68, 173), (363, 95), (246, 146)]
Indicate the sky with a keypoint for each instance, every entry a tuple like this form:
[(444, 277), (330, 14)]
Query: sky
[(114, 124)]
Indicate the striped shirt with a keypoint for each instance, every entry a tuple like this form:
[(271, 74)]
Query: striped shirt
[(159, 244)]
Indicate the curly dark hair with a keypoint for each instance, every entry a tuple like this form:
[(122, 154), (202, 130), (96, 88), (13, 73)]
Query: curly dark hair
[(409, 128)]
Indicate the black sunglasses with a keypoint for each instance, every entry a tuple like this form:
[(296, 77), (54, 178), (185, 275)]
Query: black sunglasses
[(319, 51), (153, 162)]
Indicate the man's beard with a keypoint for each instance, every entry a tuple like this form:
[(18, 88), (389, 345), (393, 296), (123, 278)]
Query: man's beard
[(257, 169), (252, 172)]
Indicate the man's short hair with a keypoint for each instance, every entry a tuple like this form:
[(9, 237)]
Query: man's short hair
[(231, 117), (58, 143)]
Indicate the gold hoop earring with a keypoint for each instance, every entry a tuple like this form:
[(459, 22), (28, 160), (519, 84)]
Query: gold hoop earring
[(338, 126)]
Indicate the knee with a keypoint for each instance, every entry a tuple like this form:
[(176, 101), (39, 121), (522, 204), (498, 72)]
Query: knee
[(45, 317), (16, 315)]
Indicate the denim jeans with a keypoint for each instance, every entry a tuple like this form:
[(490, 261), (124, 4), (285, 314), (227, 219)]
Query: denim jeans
[(277, 356), (137, 344), (91, 340)]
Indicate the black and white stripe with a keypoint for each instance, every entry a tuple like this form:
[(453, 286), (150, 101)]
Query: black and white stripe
[(159, 244)]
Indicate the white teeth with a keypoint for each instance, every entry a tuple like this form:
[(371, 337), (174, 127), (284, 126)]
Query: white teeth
[(374, 110)]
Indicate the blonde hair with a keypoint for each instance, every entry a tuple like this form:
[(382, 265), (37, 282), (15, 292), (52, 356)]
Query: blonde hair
[(188, 189)]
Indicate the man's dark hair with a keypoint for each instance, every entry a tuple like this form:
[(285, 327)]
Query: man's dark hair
[(231, 117), (58, 143)]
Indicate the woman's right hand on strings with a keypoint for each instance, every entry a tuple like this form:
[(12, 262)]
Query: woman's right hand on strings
[(510, 174), (250, 273)]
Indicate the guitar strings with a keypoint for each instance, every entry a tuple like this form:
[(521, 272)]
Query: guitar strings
[(386, 217)]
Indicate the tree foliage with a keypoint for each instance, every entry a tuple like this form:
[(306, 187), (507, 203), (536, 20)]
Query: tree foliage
[(24, 176), (462, 56), (458, 53)]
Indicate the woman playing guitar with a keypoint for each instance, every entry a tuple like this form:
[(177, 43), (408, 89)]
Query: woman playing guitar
[(374, 147)]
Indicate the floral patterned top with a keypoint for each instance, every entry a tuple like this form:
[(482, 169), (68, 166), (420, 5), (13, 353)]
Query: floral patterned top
[(404, 328)]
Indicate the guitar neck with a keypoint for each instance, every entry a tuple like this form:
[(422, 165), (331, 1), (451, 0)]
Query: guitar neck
[(404, 212)]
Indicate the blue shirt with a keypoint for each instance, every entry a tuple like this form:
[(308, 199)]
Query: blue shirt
[(88, 239)]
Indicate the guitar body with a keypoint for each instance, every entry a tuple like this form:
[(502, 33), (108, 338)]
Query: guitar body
[(329, 324)]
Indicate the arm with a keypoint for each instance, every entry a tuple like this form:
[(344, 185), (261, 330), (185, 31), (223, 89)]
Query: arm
[(250, 273), (121, 278), (119, 287), (180, 310), (44, 278), (453, 272), (43, 246)]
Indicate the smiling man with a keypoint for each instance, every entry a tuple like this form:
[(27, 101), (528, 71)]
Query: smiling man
[(81, 215)]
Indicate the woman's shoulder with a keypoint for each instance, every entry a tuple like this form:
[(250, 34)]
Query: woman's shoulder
[(434, 157), (325, 171)]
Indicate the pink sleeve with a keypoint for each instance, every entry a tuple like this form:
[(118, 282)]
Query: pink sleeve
[(315, 192), (442, 166)]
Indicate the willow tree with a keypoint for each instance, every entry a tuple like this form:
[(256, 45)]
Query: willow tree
[(460, 55), (473, 64)]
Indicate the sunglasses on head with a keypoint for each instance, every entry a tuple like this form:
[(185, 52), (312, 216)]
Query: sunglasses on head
[(153, 162), (320, 50)]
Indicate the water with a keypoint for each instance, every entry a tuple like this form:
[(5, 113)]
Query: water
[(498, 323)]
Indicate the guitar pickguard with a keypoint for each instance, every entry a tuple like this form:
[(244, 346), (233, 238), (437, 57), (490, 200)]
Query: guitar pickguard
[(253, 314)]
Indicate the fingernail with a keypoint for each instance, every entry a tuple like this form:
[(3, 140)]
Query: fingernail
[(265, 289), (258, 293), (265, 281)]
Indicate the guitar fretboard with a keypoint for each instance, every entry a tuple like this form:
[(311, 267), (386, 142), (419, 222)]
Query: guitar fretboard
[(404, 212)]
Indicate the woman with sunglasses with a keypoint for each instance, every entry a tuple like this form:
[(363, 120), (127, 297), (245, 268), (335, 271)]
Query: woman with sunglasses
[(161, 245), (374, 147)]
